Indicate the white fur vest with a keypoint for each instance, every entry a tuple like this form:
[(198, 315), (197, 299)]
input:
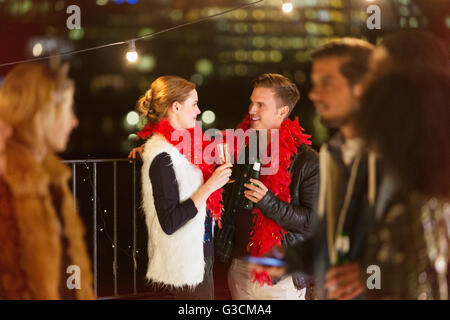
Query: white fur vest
[(174, 260)]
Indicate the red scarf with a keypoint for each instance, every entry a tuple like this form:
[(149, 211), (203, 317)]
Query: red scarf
[(214, 203), (266, 233)]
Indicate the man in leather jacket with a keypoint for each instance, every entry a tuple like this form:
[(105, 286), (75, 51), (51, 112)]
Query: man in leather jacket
[(272, 93)]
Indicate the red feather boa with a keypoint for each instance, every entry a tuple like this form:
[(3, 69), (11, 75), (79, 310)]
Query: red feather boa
[(266, 233), (214, 202)]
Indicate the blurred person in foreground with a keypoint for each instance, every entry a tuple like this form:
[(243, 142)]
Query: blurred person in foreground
[(413, 56), (405, 118), (43, 254)]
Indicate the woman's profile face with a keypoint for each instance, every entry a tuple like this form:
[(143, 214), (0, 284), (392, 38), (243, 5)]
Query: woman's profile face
[(65, 121), (188, 111)]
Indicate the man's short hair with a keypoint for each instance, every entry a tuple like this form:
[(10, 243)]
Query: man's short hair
[(354, 52), (285, 90)]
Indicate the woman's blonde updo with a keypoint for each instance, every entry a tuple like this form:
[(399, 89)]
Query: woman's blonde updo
[(163, 92)]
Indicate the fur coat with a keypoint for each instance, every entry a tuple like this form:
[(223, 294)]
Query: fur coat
[(33, 240)]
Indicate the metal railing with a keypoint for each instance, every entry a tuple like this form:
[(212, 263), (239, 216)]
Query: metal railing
[(114, 162)]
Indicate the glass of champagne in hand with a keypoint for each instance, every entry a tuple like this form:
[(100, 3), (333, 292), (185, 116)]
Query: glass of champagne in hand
[(224, 155)]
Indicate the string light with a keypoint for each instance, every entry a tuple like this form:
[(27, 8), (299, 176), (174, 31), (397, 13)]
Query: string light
[(208, 117), (287, 6), (145, 36), (103, 228), (132, 55), (132, 118), (37, 49)]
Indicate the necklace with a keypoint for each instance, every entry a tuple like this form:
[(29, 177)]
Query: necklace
[(435, 218)]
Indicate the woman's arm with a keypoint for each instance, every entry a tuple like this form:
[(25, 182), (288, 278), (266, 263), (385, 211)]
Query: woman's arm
[(218, 179), (172, 214)]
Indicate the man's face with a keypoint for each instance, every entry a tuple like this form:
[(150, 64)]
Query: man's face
[(331, 92), (264, 110)]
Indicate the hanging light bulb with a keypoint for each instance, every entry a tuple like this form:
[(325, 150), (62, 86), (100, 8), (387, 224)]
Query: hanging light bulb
[(37, 49), (132, 55), (287, 6)]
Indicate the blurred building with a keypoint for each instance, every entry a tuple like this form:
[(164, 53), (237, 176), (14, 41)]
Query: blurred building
[(221, 55)]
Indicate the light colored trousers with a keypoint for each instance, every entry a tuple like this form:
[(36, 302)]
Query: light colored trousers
[(243, 288)]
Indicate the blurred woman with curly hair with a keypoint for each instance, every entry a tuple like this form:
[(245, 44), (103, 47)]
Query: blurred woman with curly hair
[(405, 115)]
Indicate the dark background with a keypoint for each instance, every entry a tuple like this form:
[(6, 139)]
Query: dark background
[(221, 55)]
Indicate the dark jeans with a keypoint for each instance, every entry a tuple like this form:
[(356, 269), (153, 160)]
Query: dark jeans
[(204, 291)]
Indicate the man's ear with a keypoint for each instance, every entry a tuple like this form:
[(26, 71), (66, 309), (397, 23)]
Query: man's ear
[(284, 112)]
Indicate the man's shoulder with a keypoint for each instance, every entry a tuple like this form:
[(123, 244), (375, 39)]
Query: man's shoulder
[(306, 159), (307, 154)]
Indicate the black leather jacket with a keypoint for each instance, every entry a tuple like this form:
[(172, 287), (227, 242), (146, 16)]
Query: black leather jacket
[(294, 217)]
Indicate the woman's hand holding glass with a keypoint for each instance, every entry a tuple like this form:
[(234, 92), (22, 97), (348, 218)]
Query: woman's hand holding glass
[(217, 180), (220, 176), (224, 155)]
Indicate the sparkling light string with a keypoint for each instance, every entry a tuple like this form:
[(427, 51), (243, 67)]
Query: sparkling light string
[(103, 228), (129, 41)]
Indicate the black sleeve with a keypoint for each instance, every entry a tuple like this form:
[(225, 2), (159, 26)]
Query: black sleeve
[(287, 215), (303, 256), (300, 257), (172, 214)]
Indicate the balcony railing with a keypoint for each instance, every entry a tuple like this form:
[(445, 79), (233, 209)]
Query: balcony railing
[(88, 163)]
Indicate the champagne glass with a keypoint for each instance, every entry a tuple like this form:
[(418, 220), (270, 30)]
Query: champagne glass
[(224, 155)]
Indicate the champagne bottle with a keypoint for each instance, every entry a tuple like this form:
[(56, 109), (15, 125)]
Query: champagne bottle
[(248, 204), (342, 248)]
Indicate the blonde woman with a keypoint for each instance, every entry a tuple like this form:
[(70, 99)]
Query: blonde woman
[(179, 205), (41, 235)]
